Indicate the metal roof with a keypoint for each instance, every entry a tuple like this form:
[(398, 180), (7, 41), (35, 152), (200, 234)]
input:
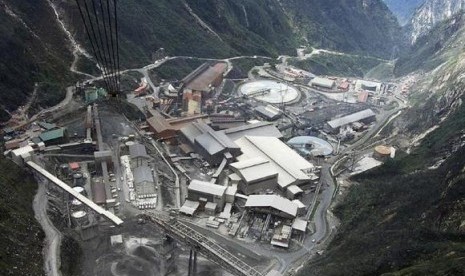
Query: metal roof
[(202, 78), (352, 118), (294, 189), (137, 150), (142, 174), (213, 142), (269, 112), (255, 169), (300, 225), (273, 201), (257, 129), (289, 165), (53, 134), (322, 82), (189, 207), (318, 145), (206, 188), (47, 126)]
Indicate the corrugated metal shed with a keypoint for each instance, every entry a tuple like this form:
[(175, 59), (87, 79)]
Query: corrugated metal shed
[(289, 165), (255, 169), (258, 129), (53, 134), (204, 76), (142, 174), (211, 141), (268, 112), (137, 150), (207, 188), (99, 193), (272, 201), (322, 82), (352, 118), (299, 225)]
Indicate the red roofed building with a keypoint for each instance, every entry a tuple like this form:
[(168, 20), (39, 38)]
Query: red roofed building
[(199, 85), (344, 86), (74, 166), (363, 97)]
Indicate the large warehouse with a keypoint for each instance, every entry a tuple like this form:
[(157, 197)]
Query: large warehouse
[(320, 82), (290, 166), (272, 204), (365, 116), (214, 146), (204, 192), (257, 174)]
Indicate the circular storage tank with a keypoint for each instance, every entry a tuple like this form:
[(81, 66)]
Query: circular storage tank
[(129, 143), (79, 217), (382, 152), (78, 179), (270, 91), (310, 145), (78, 189), (76, 203)]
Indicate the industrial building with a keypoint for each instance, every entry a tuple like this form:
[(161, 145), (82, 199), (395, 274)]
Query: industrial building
[(256, 174), (310, 145), (54, 137), (143, 176), (204, 192), (320, 82), (197, 87), (292, 168), (269, 112), (164, 128), (138, 154), (272, 204), (256, 129), (212, 145), (365, 116)]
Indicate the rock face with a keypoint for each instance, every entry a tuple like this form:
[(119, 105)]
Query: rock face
[(403, 9), (431, 13)]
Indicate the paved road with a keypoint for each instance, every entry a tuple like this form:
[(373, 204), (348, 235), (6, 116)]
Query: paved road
[(53, 237)]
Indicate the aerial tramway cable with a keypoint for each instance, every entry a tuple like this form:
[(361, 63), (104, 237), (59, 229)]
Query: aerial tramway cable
[(101, 34)]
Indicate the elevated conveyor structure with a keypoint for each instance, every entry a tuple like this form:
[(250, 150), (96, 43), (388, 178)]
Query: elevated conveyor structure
[(202, 244), (110, 216)]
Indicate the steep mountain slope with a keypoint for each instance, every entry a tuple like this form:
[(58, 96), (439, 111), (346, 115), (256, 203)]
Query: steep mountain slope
[(438, 59), (431, 13), (355, 26), (32, 49), (407, 217), (21, 239), (403, 9), (211, 28), (38, 49)]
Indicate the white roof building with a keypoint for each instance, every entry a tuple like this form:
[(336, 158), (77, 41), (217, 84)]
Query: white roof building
[(255, 169), (290, 166), (322, 82), (207, 188), (352, 118), (280, 205)]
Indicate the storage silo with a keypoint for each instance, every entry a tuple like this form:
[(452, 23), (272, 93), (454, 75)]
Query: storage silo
[(382, 152)]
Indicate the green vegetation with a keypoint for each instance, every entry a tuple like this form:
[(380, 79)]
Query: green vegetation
[(337, 65), (32, 55), (21, 238), (176, 69), (242, 66), (383, 72), (404, 219)]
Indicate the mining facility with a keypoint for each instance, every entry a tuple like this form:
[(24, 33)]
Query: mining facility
[(228, 169)]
